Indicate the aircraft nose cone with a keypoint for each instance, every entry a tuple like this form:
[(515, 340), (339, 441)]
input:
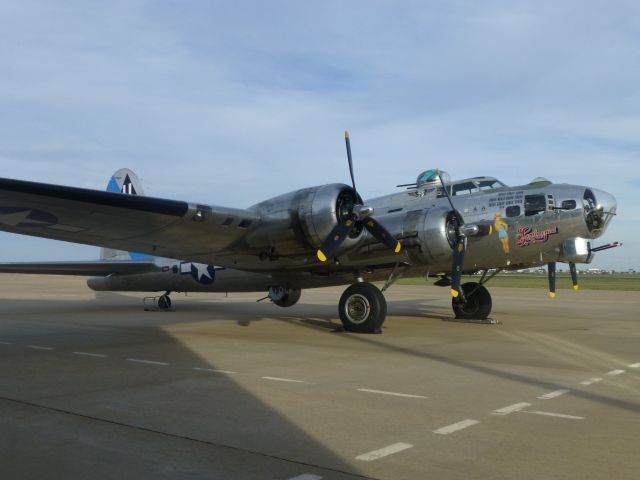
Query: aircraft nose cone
[(605, 201), (600, 208)]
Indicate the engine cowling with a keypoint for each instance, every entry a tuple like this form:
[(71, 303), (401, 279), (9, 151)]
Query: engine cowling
[(436, 235), (300, 221)]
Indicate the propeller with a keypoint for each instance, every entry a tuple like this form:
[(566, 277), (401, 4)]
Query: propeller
[(358, 216), (552, 279), (460, 245), (574, 275)]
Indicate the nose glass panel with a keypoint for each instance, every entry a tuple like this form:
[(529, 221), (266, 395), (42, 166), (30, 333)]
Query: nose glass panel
[(599, 208)]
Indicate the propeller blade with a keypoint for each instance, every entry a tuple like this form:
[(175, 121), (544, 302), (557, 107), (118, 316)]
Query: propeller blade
[(335, 239), (552, 279), (574, 275), (456, 212), (382, 235), (353, 181), (456, 268)]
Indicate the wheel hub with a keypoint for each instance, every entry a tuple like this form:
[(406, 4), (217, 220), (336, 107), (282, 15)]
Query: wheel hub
[(357, 308)]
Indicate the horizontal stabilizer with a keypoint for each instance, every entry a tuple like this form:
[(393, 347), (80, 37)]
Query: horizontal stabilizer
[(88, 269)]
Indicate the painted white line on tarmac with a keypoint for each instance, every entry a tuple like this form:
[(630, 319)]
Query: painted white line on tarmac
[(550, 395), (395, 394), (278, 379), (213, 370), (511, 408), (307, 476), (38, 347), (147, 362), (551, 414), (456, 427), (615, 372), (89, 354), (384, 452), (5, 343), (591, 381), (634, 365)]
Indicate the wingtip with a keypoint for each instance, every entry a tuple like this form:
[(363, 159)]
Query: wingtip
[(346, 134), (398, 248), (321, 256), (576, 287), (455, 293), (552, 294)]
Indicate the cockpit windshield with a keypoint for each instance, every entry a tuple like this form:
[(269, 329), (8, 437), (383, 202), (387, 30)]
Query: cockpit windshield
[(429, 183), (467, 187)]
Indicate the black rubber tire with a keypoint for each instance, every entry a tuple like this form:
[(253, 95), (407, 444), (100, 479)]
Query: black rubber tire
[(164, 302), (478, 304), (362, 308), (290, 298)]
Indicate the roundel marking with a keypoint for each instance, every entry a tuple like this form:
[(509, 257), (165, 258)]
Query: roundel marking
[(202, 273)]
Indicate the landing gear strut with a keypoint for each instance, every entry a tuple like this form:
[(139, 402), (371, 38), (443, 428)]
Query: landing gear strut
[(477, 305), (362, 308)]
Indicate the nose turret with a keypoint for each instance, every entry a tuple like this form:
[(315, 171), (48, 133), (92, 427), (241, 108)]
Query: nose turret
[(599, 209)]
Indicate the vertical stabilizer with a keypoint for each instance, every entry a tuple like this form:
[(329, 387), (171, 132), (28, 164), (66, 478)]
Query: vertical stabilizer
[(126, 182)]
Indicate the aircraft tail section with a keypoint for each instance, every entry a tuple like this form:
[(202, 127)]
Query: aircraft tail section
[(124, 181)]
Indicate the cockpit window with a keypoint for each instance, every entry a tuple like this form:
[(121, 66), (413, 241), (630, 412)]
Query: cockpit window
[(489, 184), (476, 185), (465, 188)]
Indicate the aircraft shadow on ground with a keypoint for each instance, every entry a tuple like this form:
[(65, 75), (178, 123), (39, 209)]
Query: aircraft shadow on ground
[(126, 399)]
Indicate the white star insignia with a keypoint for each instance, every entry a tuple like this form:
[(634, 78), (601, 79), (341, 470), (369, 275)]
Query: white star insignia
[(202, 270)]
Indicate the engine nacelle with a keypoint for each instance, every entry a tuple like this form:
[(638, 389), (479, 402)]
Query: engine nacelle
[(300, 221), (435, 230)]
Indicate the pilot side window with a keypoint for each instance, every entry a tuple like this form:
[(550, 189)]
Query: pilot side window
[(534, 204)]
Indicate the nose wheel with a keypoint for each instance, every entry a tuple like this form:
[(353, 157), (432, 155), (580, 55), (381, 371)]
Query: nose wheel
[(362, 308)]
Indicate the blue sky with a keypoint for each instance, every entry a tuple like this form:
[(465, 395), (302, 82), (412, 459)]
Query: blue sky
[(230, 103)]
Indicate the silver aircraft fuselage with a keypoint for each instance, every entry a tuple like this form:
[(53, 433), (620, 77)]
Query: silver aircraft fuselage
[(529, 226)]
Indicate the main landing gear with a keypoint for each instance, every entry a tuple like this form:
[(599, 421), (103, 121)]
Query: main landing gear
[(477, 305), (362, 308)]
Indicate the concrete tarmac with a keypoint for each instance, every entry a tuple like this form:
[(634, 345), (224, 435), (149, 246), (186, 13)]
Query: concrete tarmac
[(227, 388)]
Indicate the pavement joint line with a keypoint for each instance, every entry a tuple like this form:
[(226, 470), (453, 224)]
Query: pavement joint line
[(395, 394), (39, 347), (89, 354), (212, 370), (615, 372), (182, 437), (554, 394), (511, 408), (634, 365), (591, 381), (307, 476), (278, 379), (551, 414), (384, 452), (147, 362), (456, 427)]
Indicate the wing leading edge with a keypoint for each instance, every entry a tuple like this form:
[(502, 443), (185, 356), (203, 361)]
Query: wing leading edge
[(160, 227)]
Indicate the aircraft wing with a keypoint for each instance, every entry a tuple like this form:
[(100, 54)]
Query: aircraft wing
[(88, 269), (160, 227)]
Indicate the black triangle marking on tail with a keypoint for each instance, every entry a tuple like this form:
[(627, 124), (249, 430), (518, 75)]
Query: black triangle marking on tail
[(127, 186)]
